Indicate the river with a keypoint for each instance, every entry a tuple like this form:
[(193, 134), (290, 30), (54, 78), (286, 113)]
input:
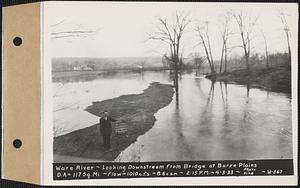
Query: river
[(210, 121)]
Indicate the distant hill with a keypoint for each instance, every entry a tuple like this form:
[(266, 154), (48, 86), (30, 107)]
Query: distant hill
[(73, 63)]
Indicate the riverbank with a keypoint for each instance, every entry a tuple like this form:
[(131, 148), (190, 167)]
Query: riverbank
[(135, 113), (276, 79)]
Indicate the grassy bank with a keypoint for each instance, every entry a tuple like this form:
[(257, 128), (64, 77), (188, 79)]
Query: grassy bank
[(276, 79), (134, 112)]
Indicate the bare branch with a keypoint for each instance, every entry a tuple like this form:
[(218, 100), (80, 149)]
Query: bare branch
[(205, 41), (78, 34), (56, 24), (286, 29), (71, 32), (66, 36), (245, 24)]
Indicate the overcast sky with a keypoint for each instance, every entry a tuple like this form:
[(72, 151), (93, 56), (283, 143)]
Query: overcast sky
[(121, 28)]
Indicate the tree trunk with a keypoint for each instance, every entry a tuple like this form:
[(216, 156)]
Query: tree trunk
[(289, 47), (176, 75), (266, 49), (247, 62), (225, 62), (221, 61), (213, 69), (267, 59), (176, 59), (180, 64)]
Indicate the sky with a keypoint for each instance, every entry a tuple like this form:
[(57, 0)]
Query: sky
[(120, 29)]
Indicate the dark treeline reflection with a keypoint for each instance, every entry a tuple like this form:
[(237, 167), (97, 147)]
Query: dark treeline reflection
[(223, 94)]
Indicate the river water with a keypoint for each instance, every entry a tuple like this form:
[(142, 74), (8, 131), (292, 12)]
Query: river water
[(210, 121)]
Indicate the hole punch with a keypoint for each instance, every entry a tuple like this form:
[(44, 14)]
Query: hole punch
[(17, 143), (17, 41)]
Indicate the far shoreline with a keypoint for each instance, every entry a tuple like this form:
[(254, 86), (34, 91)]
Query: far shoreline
[(275, 79)]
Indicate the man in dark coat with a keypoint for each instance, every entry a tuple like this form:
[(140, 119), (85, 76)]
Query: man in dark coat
[(106, 129)]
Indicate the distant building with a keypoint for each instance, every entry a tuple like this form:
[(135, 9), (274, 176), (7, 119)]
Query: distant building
[(82, 67), (76, 68)]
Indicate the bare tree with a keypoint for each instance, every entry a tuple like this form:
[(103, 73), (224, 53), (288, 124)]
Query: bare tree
[(171, 34), (246, 23), (205, 42), (225, 35), (266, 49), (286, 29)]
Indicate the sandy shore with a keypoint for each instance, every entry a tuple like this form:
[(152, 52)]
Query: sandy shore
[(133, 112)]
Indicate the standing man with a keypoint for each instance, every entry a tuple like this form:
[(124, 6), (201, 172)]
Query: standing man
[(106, 129)]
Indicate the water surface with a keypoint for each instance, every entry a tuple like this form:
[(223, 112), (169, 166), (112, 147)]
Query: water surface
[(210, 121)]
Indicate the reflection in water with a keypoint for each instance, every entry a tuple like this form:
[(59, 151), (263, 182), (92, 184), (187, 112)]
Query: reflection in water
[(248, 90), (177, 98), (225, 102), (218, 123), (208, 121)]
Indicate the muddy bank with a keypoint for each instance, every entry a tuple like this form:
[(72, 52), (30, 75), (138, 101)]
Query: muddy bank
[(134, 113), (276, 79)]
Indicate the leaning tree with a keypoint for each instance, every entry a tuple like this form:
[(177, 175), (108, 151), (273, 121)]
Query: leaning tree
[(266, 49), (286, 29), (246, 23), (225, 33), (203, 34)]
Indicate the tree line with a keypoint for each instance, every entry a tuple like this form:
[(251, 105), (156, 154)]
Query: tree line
[(171, 32)]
